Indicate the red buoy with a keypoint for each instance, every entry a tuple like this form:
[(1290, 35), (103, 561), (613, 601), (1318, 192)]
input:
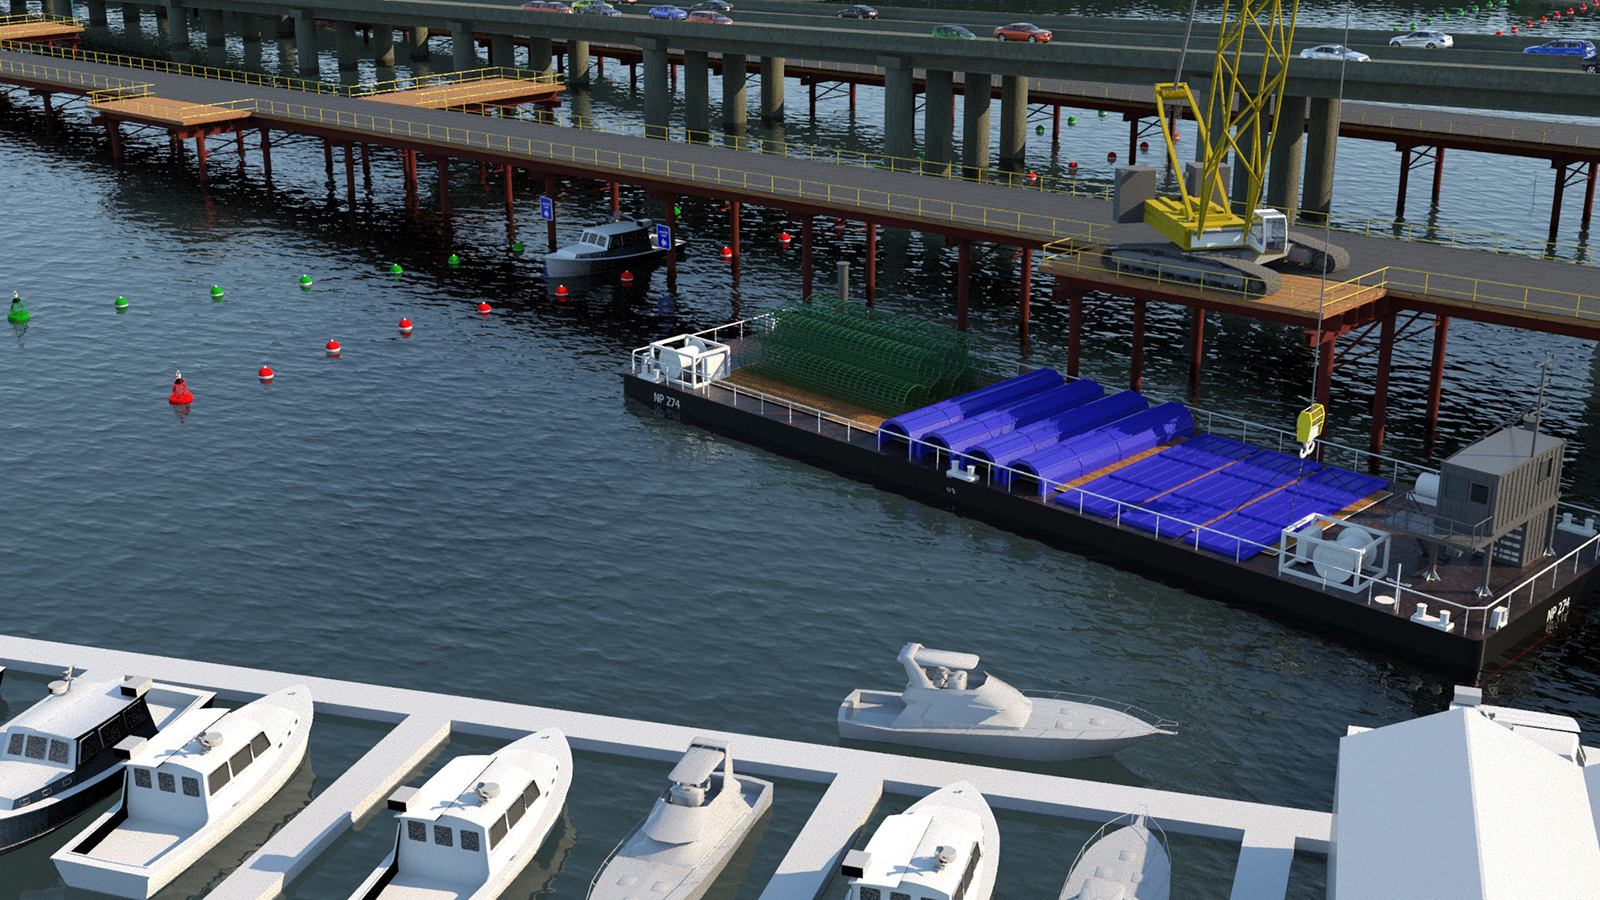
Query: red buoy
[(265, 374), (180, 392), (1144, 146), (333, 348), (405, 326), (784, 239), (838, 224), (483, 307), (1111, 157), (1032, 178), (727, 253), (561, 291), (627, 278), (1073, 164)]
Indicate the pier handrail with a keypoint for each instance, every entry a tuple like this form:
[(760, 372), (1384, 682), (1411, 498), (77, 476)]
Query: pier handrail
[(42, 18)]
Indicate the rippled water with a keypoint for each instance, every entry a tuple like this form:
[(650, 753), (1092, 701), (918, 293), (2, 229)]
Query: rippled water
[(475, 509)]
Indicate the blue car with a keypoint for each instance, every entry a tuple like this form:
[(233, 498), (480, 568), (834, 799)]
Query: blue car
[(668, 12), (1564, 48)]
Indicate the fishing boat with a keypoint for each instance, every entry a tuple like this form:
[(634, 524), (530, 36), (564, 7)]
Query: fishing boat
[(951, 704), (1454, 568), (613, 247), (475, 825), (690, 834), (65, 753), (1130, 862), (946, 846), (187, 788)]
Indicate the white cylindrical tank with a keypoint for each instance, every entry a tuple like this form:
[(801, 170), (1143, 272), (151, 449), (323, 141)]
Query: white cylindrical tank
[(1427, 489)]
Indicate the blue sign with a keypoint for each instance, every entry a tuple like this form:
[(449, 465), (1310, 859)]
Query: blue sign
[(547, 209), (663, 237)]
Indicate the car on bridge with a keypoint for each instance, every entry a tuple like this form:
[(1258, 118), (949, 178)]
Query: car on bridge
[(668, 12), (857, 12), (1334, 51), (1023, 31), (600, 9), (1591, 63), (1564, 48), (953, 31), (1432, 40), (721, 6), (555, 6), (708, 17)]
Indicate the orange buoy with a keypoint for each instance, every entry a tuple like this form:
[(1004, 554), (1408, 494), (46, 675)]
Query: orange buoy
[(180, 392), (627, 278), (265, 374), (333, 348), (1032, 178), (483, 307), (727, 253), (405, 326), (561, 291)]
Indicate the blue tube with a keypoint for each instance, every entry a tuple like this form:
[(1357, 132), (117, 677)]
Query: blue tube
[(956, 438), (1074, 458), (918, 422), (1006, 448)]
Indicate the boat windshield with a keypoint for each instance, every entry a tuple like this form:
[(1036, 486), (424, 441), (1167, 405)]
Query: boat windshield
[(595, 238)]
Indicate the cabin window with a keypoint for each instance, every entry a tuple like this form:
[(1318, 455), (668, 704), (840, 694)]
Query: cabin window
[(259, 743), (896, 895), (141, 778), (530, 794), (136, 716), (469, 840), (497, 832), (514, 814), (58, 752), (443, 836), (1480, 494), (219, 777), (416, 831), (871, 893), (89, 747), (191, 786), (167, 782), (15, 748), (240, 760), (1549, 467), (112, 731), (36, 747)]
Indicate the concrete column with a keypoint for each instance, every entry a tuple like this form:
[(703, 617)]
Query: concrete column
[(344, 39), (696, 94), (57, 7), (211, 19), (657, 92), (541, 58), (178, 25), (899, 114), (502, 52), (130, 17), (938, 129), (463, 47), (1013, 120), (97, 13), (772, 89), (250, 27), (305, 41), (1288, 148), (285, 28), (418, 42), (976, 89), (735, 103), (578, 63), (1316, 201), (383, 44)]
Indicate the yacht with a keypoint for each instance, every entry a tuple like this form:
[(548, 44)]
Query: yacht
[(624, 244), (945, 847), (60, 756), (690, 834), (474, 826), (187, 788), (1129, 863), (950, 704)]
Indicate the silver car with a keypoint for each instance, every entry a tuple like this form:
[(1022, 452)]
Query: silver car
[(1432, 40), (1334, 51)]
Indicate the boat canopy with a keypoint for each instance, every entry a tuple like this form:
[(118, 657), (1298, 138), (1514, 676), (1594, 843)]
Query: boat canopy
[(948, 659), (697, 765)]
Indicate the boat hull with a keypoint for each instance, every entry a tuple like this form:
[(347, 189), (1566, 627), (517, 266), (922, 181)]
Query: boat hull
[(1110, 861), (964, 796), (1300, 604), (19, 827), (757, 793), (870, 716), (570, 267)]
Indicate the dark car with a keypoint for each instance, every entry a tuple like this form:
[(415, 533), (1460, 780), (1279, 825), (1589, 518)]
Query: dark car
[(1564, 48), (721, 6), (708, 17), (857, 12), (555, 6), (600, 9), (953, 31)]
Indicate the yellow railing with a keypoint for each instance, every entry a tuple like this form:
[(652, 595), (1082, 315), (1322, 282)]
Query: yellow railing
[(1419, 233), (419, 82), (126, 92), (93, 81), (1416, 122), (171, 68), (29, 18)]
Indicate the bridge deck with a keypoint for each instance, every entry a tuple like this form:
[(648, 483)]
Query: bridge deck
[(169, 113)]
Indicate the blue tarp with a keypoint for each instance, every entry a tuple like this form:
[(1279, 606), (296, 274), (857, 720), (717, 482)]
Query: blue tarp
[(918, 422), (958, 437), (1085, 453), (1006, 448)]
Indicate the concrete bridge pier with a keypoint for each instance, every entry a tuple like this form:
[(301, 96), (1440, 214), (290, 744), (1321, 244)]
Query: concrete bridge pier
[(383, 44), (1288, 149), (250, 27), (417, 42), (1316, 198), (541, 57), (97, 13), (178, 25), (284, 28), (578, 63), (502, 50), (697, 99), (772, 88), (899, 114), (305, 41), (57, 7), (463, 47), (19, 7), (130, 15), (211, 20), (344, 39), (735, 102), (938, 128), (976, 89), (657, 92), (1013, 121)]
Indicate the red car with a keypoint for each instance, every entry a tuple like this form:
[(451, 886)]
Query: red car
[(554, 6), (1023, 31), (709, 17)]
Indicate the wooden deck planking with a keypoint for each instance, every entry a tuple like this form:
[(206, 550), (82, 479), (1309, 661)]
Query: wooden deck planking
[(26, 31), (168, 112), (489, 91), (785, 391)]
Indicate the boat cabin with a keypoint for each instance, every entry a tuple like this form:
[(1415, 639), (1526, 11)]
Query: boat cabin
[(183, 775), (913, 857), (620, 237), (460, 818), (61, 740), (948, 688)]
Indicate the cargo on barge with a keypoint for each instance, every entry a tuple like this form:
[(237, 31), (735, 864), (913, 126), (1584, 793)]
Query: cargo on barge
[(1455, 569)]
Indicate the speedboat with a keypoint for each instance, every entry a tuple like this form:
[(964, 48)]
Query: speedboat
[(187, 788), (950, 704), (1130, 863), (945, 847), (61, 755), (624, 244), (474, 826), (691, 832)]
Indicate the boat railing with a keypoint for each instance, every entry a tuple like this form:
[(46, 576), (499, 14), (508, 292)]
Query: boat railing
[(595, 879), (1138, 712)]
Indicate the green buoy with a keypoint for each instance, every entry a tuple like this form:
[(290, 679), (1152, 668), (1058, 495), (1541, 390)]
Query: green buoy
[(1102, 114), (305, 282), (1038, 129), (517, 248), (454, 261), (121, 304), (1072, 120), (396, 270), (18, 313), (216, 292), (677, 210)]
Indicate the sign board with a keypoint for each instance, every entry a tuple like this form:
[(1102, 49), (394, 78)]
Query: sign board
[(663, 237), (547, 209)]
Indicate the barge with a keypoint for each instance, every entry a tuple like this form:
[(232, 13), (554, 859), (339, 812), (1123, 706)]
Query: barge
[(1456, 569)]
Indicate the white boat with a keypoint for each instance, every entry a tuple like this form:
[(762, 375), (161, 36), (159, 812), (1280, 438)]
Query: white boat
[(60, 756), (473, 826), (945, 847), (950, 704), (625, 244), (1129, 863), (185, 789), (690, 834)]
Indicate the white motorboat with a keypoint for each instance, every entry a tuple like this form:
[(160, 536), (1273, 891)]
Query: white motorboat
[(693, 830), (624, 244), (60, 755), (473, 826), (1129, 863), (950, 704), (187, 788), (945, 847)]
